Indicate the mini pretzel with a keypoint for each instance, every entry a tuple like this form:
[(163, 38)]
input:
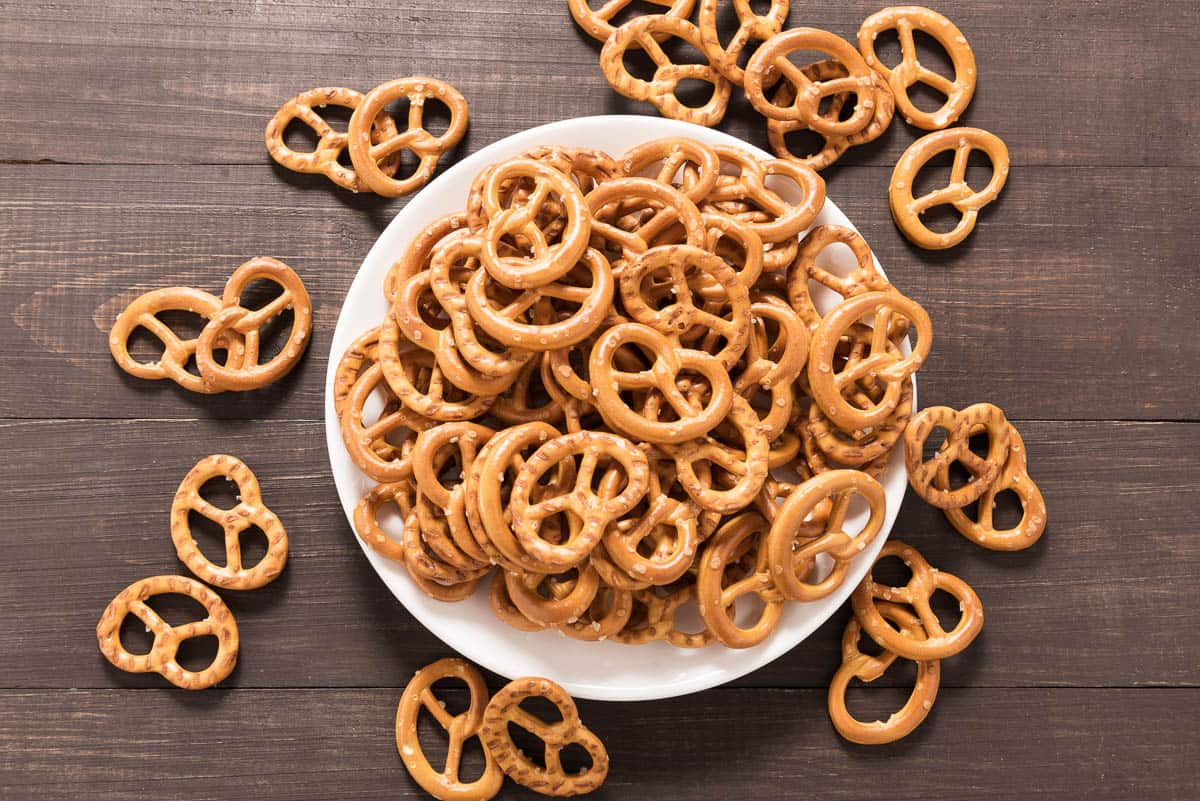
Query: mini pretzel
[(249, 511), (533, 397), (424, 562), (362, 440), (717, 596), (959, 426), (1015, 477), (403, 493), (667, 158), (738, 244), (882, 362), (865, 277), (868, 668), (167, 638), (667, 524), (607, 614), (247, 373), (746, 466), (772, 59), (416, 256), (783, 219), (419, 381), (750, 26), (660, 90), (565, 600), (505, 708), (608, 382), (907, 210), (858, 448), (323, 160), (367, 155), (840, 486), (446, 784), (596, 21), (902, 77), (669, 205), (143, 313), (925, 580)]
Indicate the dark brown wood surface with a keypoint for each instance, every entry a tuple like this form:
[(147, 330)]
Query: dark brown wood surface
[(131, 158)]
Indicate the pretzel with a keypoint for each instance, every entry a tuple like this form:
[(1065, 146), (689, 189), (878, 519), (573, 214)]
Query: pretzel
[(833, 146), (403, 493), (938, 643), (361, 440), (772, 59), (323, 159), (902, 77), (530, 400), (738, 244), (418, 694), (247, 373), (858, 448), (161, 659), (249, 511), (433, 566), (745, 465), (907, 210), (608, 614), (750, 26), (669, 205), (595, 511), (608, 382), (416, 256), (717, 598), (882, 362), (503, 607), (596, 21), (770, 216), (1015, 477), (959, 426), (642, 32), (143, 313), (419, 382), (505, 709), (868, 668), (667, 158), (565, 600), (840, 486), (865, 277)]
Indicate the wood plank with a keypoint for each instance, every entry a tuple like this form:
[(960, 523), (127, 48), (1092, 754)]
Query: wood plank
[(1051, 744), (1064, 304), (1105, 599), (180, 82)]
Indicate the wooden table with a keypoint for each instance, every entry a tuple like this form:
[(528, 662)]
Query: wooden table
[(131, 157)]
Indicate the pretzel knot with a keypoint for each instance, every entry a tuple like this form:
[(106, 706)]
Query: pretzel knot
[(249, 511), (868, 668), (446, 784), (505, 708), (161, 659), (907, 210), (718, 588), (777, 212), (959, 427), (629, 214), (909, 72), (917, 593)]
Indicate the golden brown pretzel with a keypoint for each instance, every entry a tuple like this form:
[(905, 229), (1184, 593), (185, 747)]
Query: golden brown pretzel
[(564, 599), (907, 210), (904, 20), (750, 26), (667, 157), (403, 493), (361, 440), (161, 659), (772, 217), (772, 59), (143, 313), (859, 448), (959, 427), (249, 511), (642, 32), (446, 784), (368, 155), (717, 596), (938, 643), (420, 382), (505, 708), (745, 466), (865, 277), (323, 159), (868, 668), (596, 22), (415, 258), (630, 234), (247, 373)]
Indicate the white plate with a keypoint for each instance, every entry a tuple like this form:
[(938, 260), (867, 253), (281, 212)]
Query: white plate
[(597, 670)]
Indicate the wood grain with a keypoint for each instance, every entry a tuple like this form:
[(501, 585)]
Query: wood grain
[(1105, 599)]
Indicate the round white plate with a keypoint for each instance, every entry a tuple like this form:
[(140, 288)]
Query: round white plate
[(596, 670)]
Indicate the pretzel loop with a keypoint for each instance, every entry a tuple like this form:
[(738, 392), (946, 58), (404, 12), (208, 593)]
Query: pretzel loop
[(959, 426), (717, 595)]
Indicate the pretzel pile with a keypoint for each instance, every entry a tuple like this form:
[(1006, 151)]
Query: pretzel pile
[(846, 99), (374, 141), (489, 721), (593, 375)]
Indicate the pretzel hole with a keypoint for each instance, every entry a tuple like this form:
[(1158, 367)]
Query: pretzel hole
[(198, 653), (748, 610), (891, 572), (574, 759), (299, 136), (933, 443), (804, 142), (945, 607), (528, 744), (867, 645), (144, 347), (632, 10), (542, 708), (926, 98), (879, 701), (688, 620), (694, 92), (273, 334), (135, 637), (452, 694), (208, 536), (958, 475), (1007, 513)]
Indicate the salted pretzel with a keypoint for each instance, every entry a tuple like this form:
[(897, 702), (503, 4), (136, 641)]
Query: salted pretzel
[(420, 382), (858, 448), (925, 581), (446, 784), (143, 313), (403, 494), (535, 397), (548, 778), (444, 565), (554, 600), (839, 486), (772, 217), (745, 466), (907, 210), (247, 373), (751, 26), (959, 427), (161, 659), (1014, 477), (909, 72), (607, 614), (368, 155), (805, 106), (632, 235), (323, 159), (597, 22), (642, 32), (717, 595), (738, 244), (883, 362), (416, 256), (868, 668), (864, 277), (833, 146), (394, 423), (667, 157), (249, 511)]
